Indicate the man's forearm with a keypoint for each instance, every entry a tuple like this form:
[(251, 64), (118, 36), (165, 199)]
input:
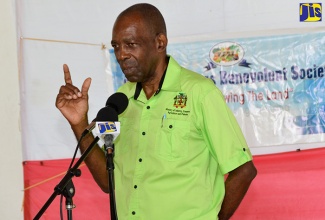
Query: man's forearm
[(236, 186), (96, 160)]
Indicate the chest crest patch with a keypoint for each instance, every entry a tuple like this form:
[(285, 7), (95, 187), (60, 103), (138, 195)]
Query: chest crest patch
[(180, 100)]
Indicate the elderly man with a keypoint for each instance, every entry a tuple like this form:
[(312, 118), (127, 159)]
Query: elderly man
[(178, 138)]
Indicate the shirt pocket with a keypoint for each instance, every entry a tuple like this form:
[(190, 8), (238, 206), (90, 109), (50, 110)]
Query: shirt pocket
[(172, 139)]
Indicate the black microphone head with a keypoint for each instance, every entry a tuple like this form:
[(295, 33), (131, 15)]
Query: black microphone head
[(118, 101), (107, 114)]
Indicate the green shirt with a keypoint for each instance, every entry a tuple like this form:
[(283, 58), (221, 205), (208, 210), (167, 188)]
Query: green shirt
[(174, 149)]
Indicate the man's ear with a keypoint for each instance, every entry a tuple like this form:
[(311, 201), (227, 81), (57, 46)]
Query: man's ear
[(161, 41)]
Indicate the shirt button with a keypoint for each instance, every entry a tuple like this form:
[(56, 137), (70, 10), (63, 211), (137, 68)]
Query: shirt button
[(135, 186), (133, 213), (148, 107), (170, 126), (140, 159), (143, 133)]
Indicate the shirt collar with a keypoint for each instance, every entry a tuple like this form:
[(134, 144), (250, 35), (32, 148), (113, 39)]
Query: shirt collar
[(169, 81), (138, 87)]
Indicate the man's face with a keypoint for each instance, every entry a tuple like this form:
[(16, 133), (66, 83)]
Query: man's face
[(135, 48)]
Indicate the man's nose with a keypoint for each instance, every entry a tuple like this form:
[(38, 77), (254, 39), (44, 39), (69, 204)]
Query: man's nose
[(122, 54)]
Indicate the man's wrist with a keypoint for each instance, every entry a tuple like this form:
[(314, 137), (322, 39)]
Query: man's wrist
[(79, 128)]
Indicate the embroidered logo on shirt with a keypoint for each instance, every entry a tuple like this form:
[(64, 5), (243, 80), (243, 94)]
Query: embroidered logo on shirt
[(180, 100)]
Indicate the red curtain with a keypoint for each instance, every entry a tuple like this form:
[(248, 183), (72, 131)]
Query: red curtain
[(288, 186)]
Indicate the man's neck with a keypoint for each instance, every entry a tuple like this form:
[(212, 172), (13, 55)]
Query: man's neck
[(149, 90), (153, 86)]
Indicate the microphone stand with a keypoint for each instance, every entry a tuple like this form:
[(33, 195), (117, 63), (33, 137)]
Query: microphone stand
[(111, 188), (74, 171), (68, 193)]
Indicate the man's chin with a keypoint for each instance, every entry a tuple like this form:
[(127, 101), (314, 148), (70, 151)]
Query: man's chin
[(132, 79)]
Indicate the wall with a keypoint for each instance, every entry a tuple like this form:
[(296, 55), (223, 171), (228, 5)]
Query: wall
[(11, 184)]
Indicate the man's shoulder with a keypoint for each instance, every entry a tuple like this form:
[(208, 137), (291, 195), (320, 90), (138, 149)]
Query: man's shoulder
[(127, 88), (196, 79), (189, 76)]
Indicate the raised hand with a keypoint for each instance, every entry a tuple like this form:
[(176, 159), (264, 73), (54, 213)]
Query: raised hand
[(72, 102)]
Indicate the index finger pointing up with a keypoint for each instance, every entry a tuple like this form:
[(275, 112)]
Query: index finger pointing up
[(67, 76)]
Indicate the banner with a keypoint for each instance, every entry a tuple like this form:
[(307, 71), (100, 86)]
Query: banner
[(274, 85)]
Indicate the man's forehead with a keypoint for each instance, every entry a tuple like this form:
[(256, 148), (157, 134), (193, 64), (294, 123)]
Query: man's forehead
[(130, 26)]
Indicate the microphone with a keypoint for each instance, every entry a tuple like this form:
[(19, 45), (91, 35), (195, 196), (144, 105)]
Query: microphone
[(108, 140), (115, 104), (108, 130), (118, 101)]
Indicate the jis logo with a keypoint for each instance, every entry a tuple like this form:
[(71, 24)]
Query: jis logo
[(310, 12), (106, 127)]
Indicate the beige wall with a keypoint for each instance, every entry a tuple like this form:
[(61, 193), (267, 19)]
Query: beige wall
[(11, 172)]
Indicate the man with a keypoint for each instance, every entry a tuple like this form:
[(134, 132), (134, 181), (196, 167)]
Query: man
[(178, 138)]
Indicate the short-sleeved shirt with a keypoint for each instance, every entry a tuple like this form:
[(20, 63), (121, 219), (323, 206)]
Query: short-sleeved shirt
[(174, 149)]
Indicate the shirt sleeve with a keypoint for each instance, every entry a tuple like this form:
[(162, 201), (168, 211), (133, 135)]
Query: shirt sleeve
[(222, 133)]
